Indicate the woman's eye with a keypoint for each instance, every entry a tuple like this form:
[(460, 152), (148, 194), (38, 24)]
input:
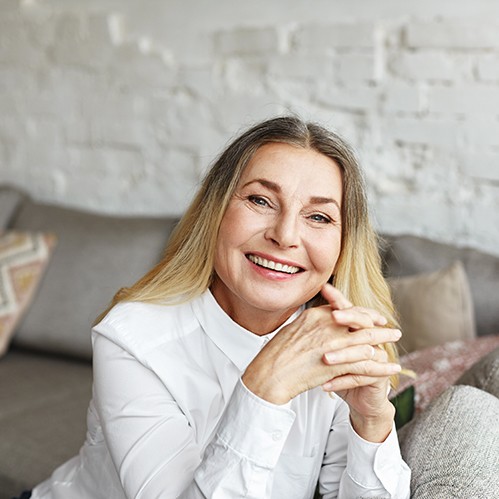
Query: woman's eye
[(258, 200), (318, 217)]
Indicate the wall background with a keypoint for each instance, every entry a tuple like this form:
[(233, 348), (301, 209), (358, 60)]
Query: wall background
[(119, 106)]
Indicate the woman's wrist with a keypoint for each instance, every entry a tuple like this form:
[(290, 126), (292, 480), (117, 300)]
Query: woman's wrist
[(374, 428), (264, 386)]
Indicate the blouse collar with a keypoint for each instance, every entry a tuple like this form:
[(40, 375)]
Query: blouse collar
[(239, 344)]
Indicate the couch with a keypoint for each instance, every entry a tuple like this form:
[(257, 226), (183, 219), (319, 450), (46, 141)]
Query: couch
[(82, 258)]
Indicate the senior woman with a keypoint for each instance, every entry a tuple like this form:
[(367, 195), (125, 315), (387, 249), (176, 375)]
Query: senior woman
[(212, 372)]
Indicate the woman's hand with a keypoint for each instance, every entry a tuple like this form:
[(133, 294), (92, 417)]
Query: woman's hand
[(367, 396), (323, 346)]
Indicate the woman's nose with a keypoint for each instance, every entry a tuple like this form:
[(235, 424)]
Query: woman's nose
[(284, 231)]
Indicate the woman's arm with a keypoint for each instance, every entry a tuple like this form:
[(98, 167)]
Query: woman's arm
[(353, 467), (341, 341), (156, 451), (373, 464), (150, 441)]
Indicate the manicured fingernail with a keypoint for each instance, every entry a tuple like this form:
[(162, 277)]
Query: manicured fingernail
[(395, 368), (398, 333)]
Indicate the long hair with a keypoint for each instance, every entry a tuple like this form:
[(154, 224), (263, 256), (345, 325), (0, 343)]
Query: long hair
[(186, 269)]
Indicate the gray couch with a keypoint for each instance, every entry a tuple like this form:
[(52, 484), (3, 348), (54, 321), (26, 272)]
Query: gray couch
[(45, 378)]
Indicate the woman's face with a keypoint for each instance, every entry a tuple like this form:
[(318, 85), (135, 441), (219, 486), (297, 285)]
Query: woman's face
[(280, 238)]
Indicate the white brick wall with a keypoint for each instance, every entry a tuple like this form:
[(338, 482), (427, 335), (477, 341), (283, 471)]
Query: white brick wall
[(320, 37), (454, 34), (121, 106)]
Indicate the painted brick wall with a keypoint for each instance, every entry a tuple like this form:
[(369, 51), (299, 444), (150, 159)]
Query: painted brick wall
[(119, 106)]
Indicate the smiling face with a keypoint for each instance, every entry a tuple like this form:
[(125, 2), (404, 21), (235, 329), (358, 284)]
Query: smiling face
[(280, 237)]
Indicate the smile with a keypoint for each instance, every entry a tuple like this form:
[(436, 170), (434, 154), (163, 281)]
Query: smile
[(269, 264)]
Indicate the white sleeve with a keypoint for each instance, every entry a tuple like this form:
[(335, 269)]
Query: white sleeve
[(353, 467), (240, 460), (148, 437), (154, 449)]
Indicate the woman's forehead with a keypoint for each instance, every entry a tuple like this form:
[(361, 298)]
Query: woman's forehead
[(293, 167), (278, 158)]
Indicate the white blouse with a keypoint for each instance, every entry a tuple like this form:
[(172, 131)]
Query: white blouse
[(170, 417)]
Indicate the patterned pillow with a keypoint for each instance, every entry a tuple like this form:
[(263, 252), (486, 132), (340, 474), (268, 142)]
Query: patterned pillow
[(23, 259), (484, 374), (439, 367)]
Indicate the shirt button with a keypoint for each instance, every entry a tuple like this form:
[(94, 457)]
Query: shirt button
[(277, 435)]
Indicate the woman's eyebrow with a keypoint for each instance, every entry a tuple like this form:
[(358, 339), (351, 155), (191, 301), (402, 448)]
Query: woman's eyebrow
[(323, 200), (277, 188), (266, 183)]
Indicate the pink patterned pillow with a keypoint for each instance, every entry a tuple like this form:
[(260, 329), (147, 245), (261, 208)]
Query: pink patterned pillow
[(23, 259), (440, 366)]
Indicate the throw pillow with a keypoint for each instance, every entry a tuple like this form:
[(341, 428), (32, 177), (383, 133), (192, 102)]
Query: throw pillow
[(485, 373), (410, 255), (452, 447), (434, 308), (437, 368), (23, 259)]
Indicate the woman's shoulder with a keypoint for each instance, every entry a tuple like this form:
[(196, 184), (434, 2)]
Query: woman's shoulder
[(147, 325)]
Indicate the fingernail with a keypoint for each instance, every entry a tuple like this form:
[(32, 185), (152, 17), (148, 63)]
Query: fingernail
[(327, 386), (395, 368), (398, 333), (330, 358)]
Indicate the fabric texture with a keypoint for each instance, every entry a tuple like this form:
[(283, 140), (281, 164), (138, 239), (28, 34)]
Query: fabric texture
[(453, 447), (95, 256), (439, 367), (173, 374), (484, 374), (434, 308), (10, 200), (409, 255), (23, 259), (43, 403)]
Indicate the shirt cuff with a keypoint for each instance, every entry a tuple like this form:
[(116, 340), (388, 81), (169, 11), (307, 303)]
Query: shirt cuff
[(384, 458), (254, 427)]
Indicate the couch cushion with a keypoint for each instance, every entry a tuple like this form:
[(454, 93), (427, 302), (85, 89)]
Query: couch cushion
[(434, 308), (452, 448), (407, 255), (95, 256), (23, 259), (484, 374), (10, 200), (43, 402)]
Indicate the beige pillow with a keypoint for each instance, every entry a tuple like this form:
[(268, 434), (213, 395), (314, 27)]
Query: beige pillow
[(23, 259), (434, 308)]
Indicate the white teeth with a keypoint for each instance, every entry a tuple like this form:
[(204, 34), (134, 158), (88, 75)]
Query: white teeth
[(269, 264)]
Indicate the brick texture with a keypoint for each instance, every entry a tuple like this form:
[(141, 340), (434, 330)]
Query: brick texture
[(121, 106)]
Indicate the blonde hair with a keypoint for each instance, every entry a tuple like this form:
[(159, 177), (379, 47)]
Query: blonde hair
[(186, 269)]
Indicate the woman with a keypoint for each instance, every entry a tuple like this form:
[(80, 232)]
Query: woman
[(211, 373)]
